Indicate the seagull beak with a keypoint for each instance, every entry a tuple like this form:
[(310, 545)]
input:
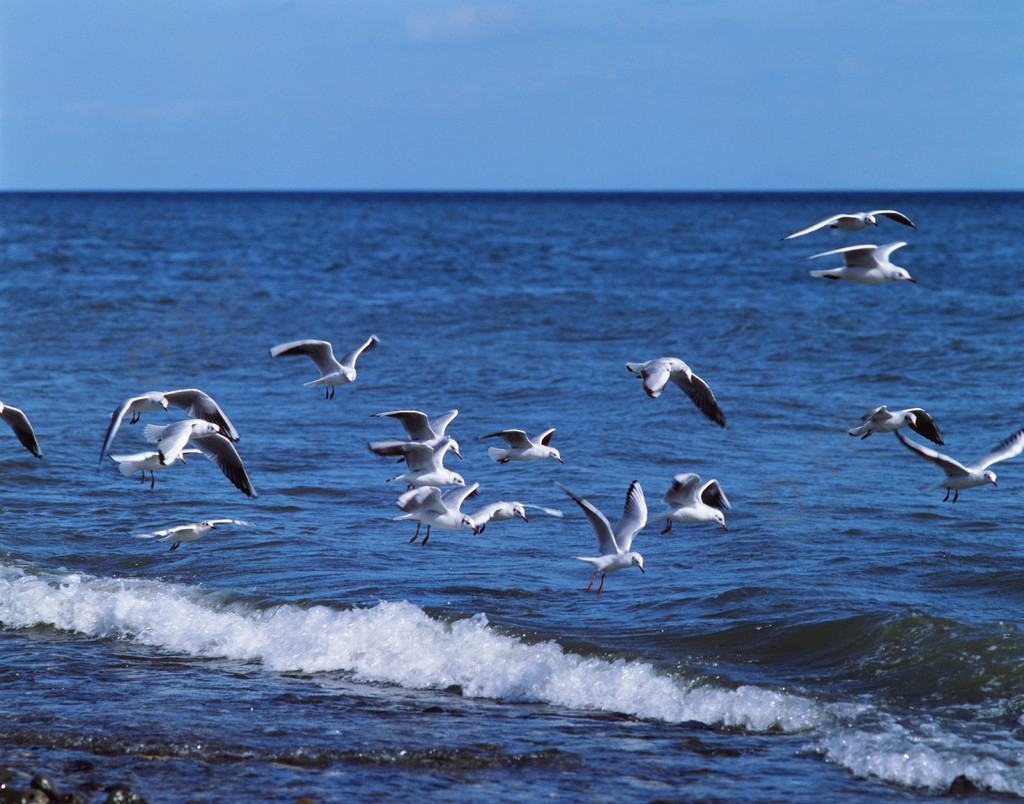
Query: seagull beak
[(642, 569), (560, 460), (525, 519), (911, 279), (724, 527)]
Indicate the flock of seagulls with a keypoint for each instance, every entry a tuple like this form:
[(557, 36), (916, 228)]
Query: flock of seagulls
[(434, 494)]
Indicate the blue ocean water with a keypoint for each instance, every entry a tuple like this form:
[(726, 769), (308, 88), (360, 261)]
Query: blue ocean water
[(850, 637)]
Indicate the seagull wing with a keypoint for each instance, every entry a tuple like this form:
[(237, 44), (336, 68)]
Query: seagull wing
[(115, 422), (415, 423), (683, 489), (544, 439), (634, 516), (419, 457), (425, 499), (1010, 448), (700, 394), (517, 439), (882, 252), (711, 494), (200, 405), (172, 439), (951, 467), (599, 522), (813, 227), (877, 416), (440, 423), (892, 214), (320, 352), (924, 426), (223, 453), (349, 360), (19, 423), (454, 498), (853, 256)]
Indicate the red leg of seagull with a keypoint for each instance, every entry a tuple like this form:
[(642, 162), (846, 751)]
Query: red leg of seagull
[(668, 526), (956, 496), (947, 495), (332, 392), (417, 534), (152, 478), (426, 537), (592, 577), (599, 588)]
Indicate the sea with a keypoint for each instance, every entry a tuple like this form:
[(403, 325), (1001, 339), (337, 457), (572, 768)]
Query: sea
[(850, 637)]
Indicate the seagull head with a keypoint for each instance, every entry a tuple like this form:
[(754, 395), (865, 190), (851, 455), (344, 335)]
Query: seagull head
[(901, 273), (720, 519), (638, 560), (990, 476), (554, 454), (870, 220), (519, 511)]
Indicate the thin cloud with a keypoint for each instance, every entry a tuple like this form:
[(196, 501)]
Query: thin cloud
[(463, 23)]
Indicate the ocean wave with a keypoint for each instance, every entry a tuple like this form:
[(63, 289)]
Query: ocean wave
[(400, 644)]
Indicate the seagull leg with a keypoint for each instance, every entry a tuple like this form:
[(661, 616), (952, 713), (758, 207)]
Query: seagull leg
[(668, 526), (947, 495), (426, 537), (956, 495), (152, 478), (175, 546), (332, 392), (592, 577), (865, 435), (135, 417), (599, 588), (417, 534)]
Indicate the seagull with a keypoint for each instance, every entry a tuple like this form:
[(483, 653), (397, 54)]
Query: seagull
[(19, 423), (427, 505), (965, 476), (690, 501), (521, 447), (332, 372), (190, 532), (146, 461), (882, 420), (208, 439), (614, 543), (855, 221), (419, 428), (497, 512), (865, 265), (656, 373), (194, 402), (425, 465)]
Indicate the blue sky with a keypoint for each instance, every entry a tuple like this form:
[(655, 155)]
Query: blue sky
[(512, 94)]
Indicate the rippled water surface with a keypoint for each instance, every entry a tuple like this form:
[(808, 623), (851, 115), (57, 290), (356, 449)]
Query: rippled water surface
[(850, 637)]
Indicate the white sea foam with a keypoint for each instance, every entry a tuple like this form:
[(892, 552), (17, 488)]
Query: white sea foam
[(398, 643)]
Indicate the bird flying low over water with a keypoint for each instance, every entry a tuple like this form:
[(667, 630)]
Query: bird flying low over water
[(148, 461), (854, 221), (194, 402), (961, 476), (18, 422), (419, 428), (690, 501), (207, 438), (614, 543), (430, 507), (521, 447), (332, 372), (425, 465), (188, 533), (883, 420), (865, 265), (656, 374)]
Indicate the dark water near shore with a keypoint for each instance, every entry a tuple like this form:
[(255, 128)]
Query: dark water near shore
[(849, 638)]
